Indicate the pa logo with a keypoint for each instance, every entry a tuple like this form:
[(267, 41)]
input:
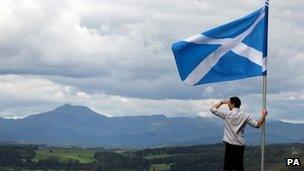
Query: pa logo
[(293, 162)]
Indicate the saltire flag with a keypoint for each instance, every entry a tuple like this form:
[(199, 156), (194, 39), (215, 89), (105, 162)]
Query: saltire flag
[(236, 50)]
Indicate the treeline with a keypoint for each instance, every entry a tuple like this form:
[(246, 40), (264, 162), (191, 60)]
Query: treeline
[(21, 156), (17, 156), (181, 149), (195, 158), (121, 161)]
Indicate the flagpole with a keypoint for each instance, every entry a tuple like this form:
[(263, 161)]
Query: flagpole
[(264, 87), (263, 126)]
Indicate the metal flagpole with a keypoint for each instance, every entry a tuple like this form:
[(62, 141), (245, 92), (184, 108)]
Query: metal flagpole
[(264, 88), (263, 126)]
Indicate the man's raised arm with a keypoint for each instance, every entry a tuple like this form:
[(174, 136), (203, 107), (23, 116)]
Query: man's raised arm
[(214, 109)]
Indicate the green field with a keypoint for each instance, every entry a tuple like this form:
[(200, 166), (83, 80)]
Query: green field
[(82, 155), (160, 167)]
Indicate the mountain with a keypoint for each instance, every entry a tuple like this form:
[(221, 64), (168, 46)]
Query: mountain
[(79, 125)]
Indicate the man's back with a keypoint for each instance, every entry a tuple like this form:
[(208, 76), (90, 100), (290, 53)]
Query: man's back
[(235, 122)]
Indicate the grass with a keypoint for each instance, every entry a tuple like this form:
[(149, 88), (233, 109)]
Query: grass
[(160, 167), (83, 155)]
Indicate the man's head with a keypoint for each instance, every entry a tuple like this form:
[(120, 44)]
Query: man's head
[(234, 102)]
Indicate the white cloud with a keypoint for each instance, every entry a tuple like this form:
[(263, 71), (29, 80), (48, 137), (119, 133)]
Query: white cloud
[(15, 88), (32, 89)]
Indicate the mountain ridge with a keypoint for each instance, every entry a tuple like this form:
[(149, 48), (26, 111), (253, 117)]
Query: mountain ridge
[(79, 125)]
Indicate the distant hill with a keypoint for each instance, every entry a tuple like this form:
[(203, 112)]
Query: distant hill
[(79, 125)]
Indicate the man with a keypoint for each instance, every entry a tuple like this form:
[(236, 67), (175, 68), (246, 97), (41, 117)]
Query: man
[(235, 122)]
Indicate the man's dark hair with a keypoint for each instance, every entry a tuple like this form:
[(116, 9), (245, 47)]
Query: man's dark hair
[(235, 101)]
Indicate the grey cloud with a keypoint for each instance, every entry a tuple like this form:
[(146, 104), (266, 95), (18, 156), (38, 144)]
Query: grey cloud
[(123, 48)]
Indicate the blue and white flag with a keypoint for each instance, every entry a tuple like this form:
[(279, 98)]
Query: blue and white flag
[(232, 51)]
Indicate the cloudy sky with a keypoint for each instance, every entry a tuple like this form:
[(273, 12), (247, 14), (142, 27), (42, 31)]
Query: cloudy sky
[(115, 57)]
